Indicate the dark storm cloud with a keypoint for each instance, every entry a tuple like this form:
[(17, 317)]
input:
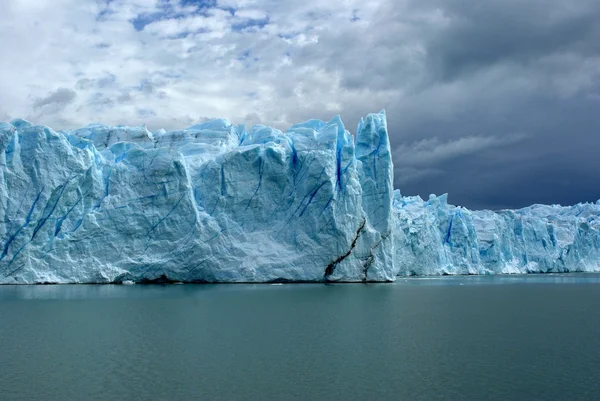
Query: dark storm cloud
[(533, 57), (498, 102), (514, 32)]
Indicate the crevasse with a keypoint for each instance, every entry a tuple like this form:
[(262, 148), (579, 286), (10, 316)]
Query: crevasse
[(217, 203)]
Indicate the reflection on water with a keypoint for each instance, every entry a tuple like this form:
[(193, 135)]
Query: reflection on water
[(546, 278), (532, 337), (100, 291)]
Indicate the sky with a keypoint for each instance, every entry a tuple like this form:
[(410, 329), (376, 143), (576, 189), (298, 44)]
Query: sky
[(495, 102)]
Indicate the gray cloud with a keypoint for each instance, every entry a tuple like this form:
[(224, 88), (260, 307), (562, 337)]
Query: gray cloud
[(85, 83), (433, 151), (486, 70), (124, 97), (458, 80), (514, 32), (57, 99), (99, 101), (409, 174)]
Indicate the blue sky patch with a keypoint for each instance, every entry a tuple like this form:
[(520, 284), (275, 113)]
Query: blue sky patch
[(167, 11), (105, 10), (140, 21), (250, 24), (199, 3)]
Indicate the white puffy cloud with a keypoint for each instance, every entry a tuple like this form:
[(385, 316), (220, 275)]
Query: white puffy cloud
[(181, 62)]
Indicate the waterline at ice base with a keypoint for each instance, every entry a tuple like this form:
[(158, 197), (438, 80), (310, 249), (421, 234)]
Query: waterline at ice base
[(218, 203)]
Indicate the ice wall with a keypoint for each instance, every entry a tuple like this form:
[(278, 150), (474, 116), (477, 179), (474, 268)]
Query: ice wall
[(217, 203), (211, 203), (432, 238)]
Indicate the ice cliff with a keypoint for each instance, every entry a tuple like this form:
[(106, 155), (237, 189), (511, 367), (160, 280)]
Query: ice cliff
[(432, 237), (217, 203)]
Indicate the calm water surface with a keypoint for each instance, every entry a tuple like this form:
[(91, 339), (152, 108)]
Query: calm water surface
[(528, 337)]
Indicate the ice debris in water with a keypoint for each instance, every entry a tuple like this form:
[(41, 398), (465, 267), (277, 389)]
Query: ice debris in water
[(217, 203)]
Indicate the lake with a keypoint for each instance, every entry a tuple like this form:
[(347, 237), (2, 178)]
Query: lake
[(515, 337)]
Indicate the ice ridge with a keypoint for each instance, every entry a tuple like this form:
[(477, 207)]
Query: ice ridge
[(216, 203)]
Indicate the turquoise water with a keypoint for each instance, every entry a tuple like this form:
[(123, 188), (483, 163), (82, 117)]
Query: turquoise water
[(516, 337)]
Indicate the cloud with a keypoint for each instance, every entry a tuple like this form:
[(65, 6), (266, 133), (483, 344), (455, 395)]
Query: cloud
[(407, 174), (454, 78), (58, 99), (146, 113), (99, 101), (124, 97), (433, 151), (85, 83)]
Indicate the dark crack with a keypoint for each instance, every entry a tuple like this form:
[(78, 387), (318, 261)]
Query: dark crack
[(331, 267), (371, 257)]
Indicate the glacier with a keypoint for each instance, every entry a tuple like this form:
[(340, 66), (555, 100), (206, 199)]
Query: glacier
[(218, 203)]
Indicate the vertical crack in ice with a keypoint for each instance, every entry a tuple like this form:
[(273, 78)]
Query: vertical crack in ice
[(327, 205), (260, 177), (22, 200), (338, 164), (371, 258), (223, 184), (307, 195), (60, 221), (294, 152), (242, 138), (107, 140), (312, 196), (45, 218), (303, 169), (25, 224), (39, 225), (326, 224), (339, 150), (154, 226), (449, 231), (106, 188), (331, 267)]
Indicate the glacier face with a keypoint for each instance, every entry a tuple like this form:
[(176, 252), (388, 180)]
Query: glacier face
[(211, 203), (217, 203), (432, 237)]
